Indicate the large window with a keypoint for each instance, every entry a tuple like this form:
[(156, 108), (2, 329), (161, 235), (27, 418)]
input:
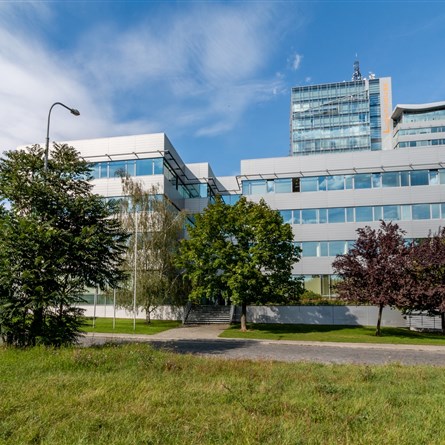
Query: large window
[(363, 214), (132, 167)]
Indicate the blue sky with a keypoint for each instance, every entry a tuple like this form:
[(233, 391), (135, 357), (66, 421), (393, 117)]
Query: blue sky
[(214, 76)]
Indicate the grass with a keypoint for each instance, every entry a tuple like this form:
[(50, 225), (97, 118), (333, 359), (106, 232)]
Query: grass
[(125, 326), (133, 394), (354, 334)]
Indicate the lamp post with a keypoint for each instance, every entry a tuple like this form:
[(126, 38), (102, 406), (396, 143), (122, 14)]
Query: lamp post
[(72, 111)]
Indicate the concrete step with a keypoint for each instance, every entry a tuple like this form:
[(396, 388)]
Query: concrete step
[(209, 315)]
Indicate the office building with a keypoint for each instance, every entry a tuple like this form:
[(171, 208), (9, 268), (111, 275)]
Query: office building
[(324, 197), (341, 116)]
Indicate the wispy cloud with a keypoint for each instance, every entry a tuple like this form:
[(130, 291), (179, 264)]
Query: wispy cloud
[(296, 61), (198, 72)]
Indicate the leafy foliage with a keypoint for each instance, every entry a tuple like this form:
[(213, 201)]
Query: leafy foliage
[(242, 253), (56, 238), (156, 227), (424, 287), (373, 271)]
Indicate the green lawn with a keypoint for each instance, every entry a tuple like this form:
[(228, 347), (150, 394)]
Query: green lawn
[(133, 394), (125, 326), (355, 334)]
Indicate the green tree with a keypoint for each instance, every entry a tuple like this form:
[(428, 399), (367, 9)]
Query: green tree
[(243, 253), (56, 239), (155, 226)]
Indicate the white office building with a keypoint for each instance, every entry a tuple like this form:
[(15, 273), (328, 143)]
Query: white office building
[(325, 196)]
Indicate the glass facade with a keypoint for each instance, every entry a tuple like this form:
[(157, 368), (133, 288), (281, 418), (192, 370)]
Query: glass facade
[(341, 116), (323, 284), (346, 182), (132, 167), (336, 215)]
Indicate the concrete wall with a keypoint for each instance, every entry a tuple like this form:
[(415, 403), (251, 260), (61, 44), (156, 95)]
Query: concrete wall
[(161, 313), (329, 315)]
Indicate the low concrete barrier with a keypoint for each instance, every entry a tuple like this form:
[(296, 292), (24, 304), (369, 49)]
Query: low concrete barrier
[(330, 315)]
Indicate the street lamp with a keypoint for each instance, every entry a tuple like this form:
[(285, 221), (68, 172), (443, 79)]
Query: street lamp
[(72, 111)]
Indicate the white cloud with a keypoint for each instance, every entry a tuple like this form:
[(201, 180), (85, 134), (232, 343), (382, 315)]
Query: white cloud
[(296, 61), (197, 72)]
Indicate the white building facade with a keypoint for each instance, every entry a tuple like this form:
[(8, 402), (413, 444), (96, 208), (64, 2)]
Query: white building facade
[(326, 197)]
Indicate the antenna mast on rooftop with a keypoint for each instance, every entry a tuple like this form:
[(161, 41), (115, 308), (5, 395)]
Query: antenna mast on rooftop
[(356, 75)]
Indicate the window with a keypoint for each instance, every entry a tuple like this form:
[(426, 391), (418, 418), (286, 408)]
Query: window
[(363, 214), (309, 184), (390, 179), (362, 181), (309, 216), (283, 185), (336, 182), (336, 215), (419, 177), (391, 213), (421, 211)]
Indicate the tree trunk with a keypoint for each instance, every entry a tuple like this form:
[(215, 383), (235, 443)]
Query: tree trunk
[(379, 321), (243, 317), (442, 318), (147, 317)]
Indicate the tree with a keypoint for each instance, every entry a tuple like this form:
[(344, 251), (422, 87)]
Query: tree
[(150, 254), (424, 287), (56, 239), (242, 253), (373, 271)]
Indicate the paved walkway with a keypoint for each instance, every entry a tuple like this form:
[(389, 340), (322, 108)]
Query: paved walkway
[(204, 340)]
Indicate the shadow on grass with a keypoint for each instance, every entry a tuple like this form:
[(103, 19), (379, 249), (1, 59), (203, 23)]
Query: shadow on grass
[(330, 333)]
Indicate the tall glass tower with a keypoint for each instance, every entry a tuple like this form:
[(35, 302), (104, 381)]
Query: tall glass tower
[(342, 116)]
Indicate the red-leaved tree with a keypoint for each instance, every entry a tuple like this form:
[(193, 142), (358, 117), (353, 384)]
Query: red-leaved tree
[(373, 271), (424, 287)]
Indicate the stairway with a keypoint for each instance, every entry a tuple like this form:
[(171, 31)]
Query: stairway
[(200, 314)]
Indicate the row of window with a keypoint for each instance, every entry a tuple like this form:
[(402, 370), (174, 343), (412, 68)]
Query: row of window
[(426, 130), (329, 133), (344, 182), (351, 143), (422, 116), (324, 248), (426, 143), (133, 167), (411, 212)]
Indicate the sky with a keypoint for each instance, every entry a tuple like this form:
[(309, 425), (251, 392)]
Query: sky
[(215, 76)]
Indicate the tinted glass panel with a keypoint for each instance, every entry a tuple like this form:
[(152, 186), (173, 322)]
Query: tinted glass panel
[(362, 181), (336, 215), (144, 167), (336, 183), (117, 168), (283, 185), (421, 211), (391, 213), (404, 179), (322, 216), (336, 248), (435, 211), (287, 216), (309, 216), (158, 166), (419, 177), (309, 184), (258, 187), (309, 248), (391, 179), (363, 214), (376, 180)]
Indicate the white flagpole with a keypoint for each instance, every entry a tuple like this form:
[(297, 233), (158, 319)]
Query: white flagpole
[(135, 266), (114, 309), (94, 309)]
